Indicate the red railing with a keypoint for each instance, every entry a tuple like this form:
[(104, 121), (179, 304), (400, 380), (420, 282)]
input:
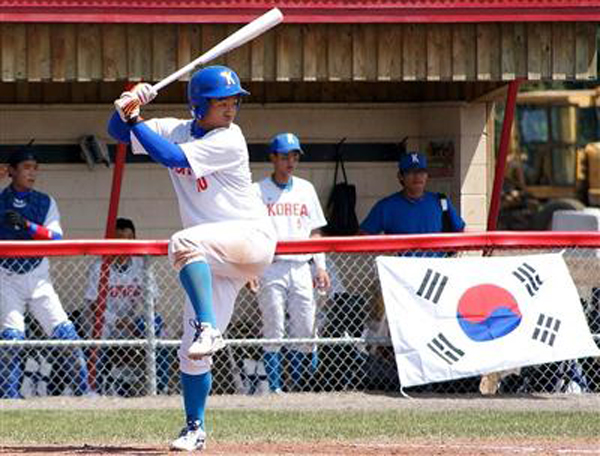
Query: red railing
[(463, 241)]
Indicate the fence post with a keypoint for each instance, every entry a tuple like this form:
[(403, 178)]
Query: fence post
[(149, 318)]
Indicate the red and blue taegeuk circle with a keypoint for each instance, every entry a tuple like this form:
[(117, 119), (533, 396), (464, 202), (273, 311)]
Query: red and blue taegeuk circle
[(487, 312)]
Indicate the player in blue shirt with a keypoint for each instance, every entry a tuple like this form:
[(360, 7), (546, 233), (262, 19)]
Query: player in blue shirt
[(413, 210)]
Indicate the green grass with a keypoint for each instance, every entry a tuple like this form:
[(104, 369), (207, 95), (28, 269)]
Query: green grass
[(159, 426)]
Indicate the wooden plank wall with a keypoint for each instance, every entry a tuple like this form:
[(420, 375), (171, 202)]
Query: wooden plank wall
[(326, 52)]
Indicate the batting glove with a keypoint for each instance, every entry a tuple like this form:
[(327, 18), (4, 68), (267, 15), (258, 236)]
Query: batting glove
[(128, 107), (144, 93), (15, 220)]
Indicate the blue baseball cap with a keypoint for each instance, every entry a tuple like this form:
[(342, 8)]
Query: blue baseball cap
[(284, 143), (412, 161), (21, 155)]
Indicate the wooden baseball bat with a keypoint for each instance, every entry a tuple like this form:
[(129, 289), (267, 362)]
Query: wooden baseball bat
[(248, 32)]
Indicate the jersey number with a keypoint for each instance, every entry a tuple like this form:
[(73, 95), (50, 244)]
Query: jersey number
[(201, 184)]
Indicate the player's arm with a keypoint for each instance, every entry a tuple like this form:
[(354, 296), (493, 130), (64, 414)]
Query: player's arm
[(321, 276), (118, 129), (458, 224), (160, 149), (36, 231), (51, 229), (126, 121), (318, 221), (127, 110), (41, 233), (373, 223)]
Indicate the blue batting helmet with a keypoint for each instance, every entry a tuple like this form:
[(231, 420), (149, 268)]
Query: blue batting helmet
[(412, 161), (285, 143), (212, 82)]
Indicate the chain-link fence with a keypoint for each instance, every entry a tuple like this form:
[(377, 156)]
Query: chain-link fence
[(127, 312)]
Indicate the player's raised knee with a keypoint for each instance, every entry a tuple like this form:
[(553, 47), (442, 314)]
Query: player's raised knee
[(183, 251)]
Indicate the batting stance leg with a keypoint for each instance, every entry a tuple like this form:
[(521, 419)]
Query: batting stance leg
[(11, 371), (12, 327), (233, 252), (272, 300), (302, 309), (46, 307)]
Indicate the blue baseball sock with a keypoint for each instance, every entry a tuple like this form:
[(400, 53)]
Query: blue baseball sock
[(72, 358), (298, 366), (196, 389), (11, 371), (197, 282), (273, 369), (10, 379)]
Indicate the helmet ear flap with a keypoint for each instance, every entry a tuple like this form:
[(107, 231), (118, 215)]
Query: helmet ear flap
[(196, 112), (199, 109)]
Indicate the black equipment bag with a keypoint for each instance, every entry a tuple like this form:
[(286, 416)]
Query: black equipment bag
[(341, 212), (446, 220)]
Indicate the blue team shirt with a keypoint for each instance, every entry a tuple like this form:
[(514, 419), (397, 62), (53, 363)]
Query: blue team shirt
[(397, 214)]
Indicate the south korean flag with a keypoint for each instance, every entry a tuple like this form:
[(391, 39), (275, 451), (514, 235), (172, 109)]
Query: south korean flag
[(452, 318)]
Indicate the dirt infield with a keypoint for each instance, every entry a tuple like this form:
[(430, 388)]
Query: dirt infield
[(454, 448)]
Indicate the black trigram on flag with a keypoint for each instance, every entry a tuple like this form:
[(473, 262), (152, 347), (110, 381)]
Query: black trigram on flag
[(444, 349), (528, 276), (546, 329), (432, 286)]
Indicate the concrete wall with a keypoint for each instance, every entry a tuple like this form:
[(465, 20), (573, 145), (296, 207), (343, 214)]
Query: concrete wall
[(147, 196)]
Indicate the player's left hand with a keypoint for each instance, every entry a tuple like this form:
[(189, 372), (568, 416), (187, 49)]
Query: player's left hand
[(144, 93), (15, 220)]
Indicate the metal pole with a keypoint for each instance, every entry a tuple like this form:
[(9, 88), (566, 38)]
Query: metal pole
[(509, 114), (149, 318), (111, 222)]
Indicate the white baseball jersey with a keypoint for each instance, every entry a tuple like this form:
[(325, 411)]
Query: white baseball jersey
[(217, 187), (294, 211), (126, 288), (225, 222)]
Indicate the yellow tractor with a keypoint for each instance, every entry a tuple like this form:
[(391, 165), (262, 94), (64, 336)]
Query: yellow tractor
[(554, 157)]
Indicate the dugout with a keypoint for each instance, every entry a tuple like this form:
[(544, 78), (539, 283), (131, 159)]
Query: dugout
[(374, 72)]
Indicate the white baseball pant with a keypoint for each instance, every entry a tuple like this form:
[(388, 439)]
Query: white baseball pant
[(287, 287), (35, 289), (235, 252)]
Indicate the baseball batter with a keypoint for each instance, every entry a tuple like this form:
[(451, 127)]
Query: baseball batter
[(287, 285), (227, 235), (27, 214)]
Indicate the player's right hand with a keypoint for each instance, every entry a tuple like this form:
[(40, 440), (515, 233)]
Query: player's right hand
[(128, 106), (144, 93), (253, 285)]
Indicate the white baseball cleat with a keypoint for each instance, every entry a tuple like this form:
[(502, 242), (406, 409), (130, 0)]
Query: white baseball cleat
[(191, 438), (207, 341)]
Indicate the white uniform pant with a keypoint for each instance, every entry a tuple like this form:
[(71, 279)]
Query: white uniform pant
[(287, 288), (235, 251), (35, 289)]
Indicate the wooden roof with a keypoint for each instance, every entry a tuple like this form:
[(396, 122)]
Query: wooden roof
[(299, 11), (303, 53)]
